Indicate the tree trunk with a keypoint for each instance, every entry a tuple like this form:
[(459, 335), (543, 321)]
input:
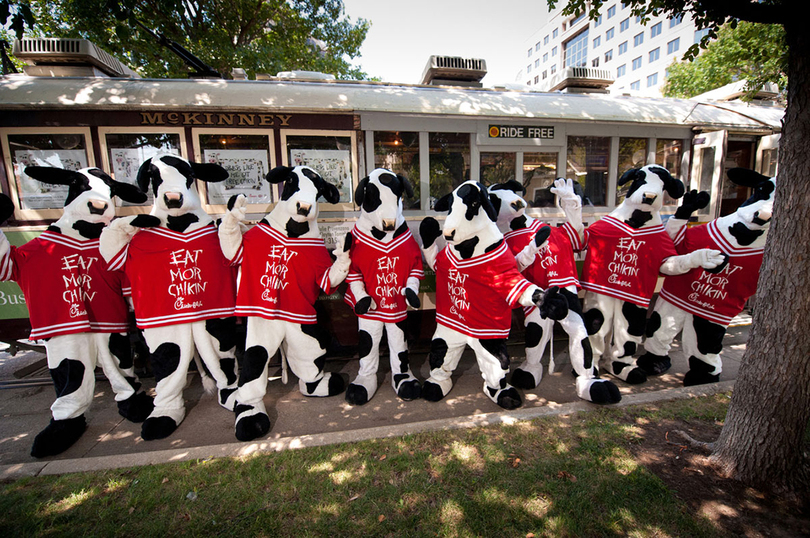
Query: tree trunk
[(761, 441)]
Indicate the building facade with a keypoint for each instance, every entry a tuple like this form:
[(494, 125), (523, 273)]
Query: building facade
[(635, 56)]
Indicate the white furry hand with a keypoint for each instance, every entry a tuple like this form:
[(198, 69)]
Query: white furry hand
[(707, 258), (123, 226), (237, 212), (564, 189)]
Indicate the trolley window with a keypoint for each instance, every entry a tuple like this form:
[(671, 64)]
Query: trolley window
[(449, 163), (330, 153), (632, 154), (588, 162), (668, 153), (399, 152)]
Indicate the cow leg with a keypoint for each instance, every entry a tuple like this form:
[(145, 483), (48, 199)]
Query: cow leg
[(538, 332), (171, 349), (445, 352), (628, 328), (264, 337), (364, 385), (305, 347), (71, 361), (404, 382), (115, 358), (215, 340), (493, 361), (702, 342), (598, 317), (663, 326)]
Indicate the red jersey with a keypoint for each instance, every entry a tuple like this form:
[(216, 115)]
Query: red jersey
[(67, 286), (623, 262), (716, 297), (281, 276), (476, 296), (555, 265), (384, 269), (177, 277)]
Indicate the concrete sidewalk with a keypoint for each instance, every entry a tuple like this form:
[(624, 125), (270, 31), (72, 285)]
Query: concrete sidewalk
[(297, 421)]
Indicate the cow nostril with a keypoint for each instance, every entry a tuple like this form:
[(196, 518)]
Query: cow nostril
[(517, 205), (648, 199), (388, 225), (97, 207), (303, 209), (450, 235), (173, 200)]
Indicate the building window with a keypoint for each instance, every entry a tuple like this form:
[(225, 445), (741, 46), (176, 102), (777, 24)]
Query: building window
[(330, 154), (563, 26), (611, 11), (449, 162), (637, 63), (545, 75), (246, 157), (530, 52), (536, 46), (608, 55), (675, 21), (668, 153), (578, 18), (655, 30), (545, 40), (638, 39), (652, 80), (536, 79), (635, 85), (575, 50), (597, 21), (497, 167), (621, 70), (537, 63), (595, 62), (624, 25), (654, 54), (622, 48), (545, 57), (673, 45), (609, 34), (553, 69), (555, 33), (588, 160), (638, 19), (597, 41), (554, 52), (700, 34), (399, 152), (528, 69)]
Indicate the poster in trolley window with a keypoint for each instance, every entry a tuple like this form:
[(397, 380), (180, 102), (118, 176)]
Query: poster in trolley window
[(35, 194), (247, 169), (334, 165)]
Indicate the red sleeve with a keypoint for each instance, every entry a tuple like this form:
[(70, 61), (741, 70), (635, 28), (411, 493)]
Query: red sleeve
[(9, 265), (665, 248), (417, 269), (507, 282)]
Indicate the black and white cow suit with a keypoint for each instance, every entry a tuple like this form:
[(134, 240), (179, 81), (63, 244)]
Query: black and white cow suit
[(549, 264), (284, 265), (477, 285), (76, 305), (627, 249), (702, 303), (383, 280), (183, 288)]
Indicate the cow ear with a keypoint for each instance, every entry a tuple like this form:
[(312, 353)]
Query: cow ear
[(674, 187), (279, 174), (55, 176), (6, 208), (406, 185), (360, 191), (102, 175), (483, 196), (630, 175), (145, 175), (329, 192), (209, 172), (745, 177), (515, 186), (443, 203), (127, 192)]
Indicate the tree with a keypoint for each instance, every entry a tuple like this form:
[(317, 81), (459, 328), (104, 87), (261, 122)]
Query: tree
[(260, 36), (750, 51), (14, 17), (761, 441)]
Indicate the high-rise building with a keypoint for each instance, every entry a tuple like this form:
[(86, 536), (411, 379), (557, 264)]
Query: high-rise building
[(621, 54)]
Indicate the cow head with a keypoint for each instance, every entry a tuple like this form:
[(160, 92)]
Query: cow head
[(643, 202), (507, 200), (88, 206), (752, 219), (297, 211), (380, 199), (471, 218)]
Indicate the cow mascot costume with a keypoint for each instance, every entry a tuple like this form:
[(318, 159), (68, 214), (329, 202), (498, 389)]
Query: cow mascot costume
[(550, 264), (383, 280), (701, 303), (627, 249), (76, 305), (477, 285), (183, 288), (285, 264)]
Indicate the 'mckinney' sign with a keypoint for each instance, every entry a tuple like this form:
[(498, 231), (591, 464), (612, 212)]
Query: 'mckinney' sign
[(520, 131)]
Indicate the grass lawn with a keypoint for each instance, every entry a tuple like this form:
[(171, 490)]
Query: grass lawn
[(567, 476)]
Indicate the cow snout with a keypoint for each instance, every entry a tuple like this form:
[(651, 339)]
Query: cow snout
[(173, 200), (303, 209), (97, 207), (517, 205), (449, 234), (389, 225), (648, 198), (762, 217)]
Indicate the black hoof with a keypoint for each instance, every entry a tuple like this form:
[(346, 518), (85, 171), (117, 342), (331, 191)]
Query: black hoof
[(652, 364), (252, 427), (336, 384), (636, 377), (409, 390), (522, 380), (605, 392), (137, 407), (58, 436), (693, 378), (157, 428), (510, 398), (432, 392), (356, 394)]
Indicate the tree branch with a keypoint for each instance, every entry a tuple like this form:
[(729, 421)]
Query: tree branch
[(694, 443)]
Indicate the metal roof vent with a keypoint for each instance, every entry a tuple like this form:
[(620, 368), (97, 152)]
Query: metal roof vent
[(64, 57), (454, 71), (580, 80)]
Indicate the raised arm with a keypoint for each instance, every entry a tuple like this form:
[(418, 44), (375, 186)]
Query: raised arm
[(230, 229), (429, 232), (120, 232), (692, 201), (571, 204)]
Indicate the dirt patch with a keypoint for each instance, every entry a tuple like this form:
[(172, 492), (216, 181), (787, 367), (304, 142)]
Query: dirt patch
[(734, 508)]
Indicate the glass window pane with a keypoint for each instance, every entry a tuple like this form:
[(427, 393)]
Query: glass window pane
[(707, 156), (247, 160), (632, 154), (539, 173), (127, 151), (449, 163), (769, 159), (587, 162), (330, 156), (668, 154), (497, 167), (399, 152), (65, 150)]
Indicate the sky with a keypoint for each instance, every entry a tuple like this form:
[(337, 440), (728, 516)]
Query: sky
[(405, 33)]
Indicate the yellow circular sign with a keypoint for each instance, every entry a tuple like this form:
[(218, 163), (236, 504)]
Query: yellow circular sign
[(494, 132)]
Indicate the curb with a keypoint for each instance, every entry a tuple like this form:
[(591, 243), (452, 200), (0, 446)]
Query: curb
[(56, 467)]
